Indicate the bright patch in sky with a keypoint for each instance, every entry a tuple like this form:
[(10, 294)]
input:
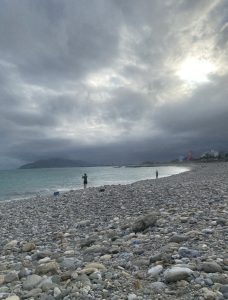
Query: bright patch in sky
[(194, 70), (106, 78)]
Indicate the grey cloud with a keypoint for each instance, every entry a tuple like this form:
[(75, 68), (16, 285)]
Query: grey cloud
[(205, 110), (136, 107), (126, 105), (55, 42)]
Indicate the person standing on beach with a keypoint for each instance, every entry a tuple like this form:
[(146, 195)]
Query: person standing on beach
[(85, 181), (156, 174)]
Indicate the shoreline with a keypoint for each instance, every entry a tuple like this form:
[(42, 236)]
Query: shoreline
[(64, 191), (152, 239)]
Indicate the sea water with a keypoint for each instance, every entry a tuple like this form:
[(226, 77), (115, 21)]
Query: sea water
[(26, 183)]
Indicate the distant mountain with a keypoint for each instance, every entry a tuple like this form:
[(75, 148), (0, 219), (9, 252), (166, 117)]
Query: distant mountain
[(56, 163)]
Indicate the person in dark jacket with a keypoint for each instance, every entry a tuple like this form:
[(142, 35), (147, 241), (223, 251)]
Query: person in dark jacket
[(156, 173), (85, 180)]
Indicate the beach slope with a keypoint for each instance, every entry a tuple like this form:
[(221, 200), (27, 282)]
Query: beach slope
[(153, 239)]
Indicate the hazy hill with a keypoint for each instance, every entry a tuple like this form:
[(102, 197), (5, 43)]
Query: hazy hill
[(55, 163)]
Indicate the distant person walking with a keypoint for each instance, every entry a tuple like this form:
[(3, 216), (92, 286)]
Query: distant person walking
[(156, 174), (85, 180)]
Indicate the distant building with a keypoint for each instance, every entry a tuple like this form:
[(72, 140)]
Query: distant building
[(210, 154)]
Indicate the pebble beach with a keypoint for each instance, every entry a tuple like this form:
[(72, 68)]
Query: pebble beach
[(154, 239)]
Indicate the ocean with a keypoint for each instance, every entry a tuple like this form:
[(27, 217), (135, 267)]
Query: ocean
[(27, 183)]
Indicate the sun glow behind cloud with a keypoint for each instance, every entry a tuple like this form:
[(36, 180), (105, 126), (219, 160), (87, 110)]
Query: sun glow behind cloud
[(196, 71)]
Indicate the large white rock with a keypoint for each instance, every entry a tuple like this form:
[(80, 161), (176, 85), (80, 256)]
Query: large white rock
[(11, 245), (132, 297), (154, 271), (177, 273), (14, 297), (44, 260), (31, 282), (57, 292)]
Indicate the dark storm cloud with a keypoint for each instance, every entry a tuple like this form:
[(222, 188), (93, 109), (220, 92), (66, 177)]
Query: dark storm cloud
[(100, 79)]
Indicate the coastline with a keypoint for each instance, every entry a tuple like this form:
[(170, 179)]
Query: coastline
[(62, 189), (103, 244)]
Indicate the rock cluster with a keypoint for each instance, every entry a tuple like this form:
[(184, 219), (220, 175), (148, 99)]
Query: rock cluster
[(153, 239)]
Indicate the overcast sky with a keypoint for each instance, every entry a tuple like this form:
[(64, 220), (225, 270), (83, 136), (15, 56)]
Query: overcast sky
[(112, 80)]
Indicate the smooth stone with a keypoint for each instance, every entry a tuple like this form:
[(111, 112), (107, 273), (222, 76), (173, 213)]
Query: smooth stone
[(67, 234), (56, 279), (44, 260), (69, 253), (141, 262), (208, 294), (57, 292), (12, 276), (158, 286), (189, 266), (182, 283), (31, 282), (87, 271), (65, 276), (199, 279), (50, 267), (156, 257), (47, 297), (221, 221), (12, 244), (177, 273), (83, 278), (33, 293), (144, 222), (224, 289), (106, 257), (14, 297), (208, 281), (132, 297), (95, 265), (28, 247), (47, 285), (193, 233), (219, 278), (211, 267), (83, 223), (96, 249), (74, 275), (87, 242), (178, 238), (70, 263), (170, 247), (186, 252), (28, 257), (154, 271), (2, 279), (24, 272), (96, 276)]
